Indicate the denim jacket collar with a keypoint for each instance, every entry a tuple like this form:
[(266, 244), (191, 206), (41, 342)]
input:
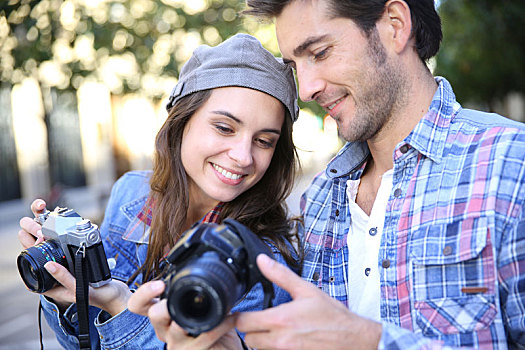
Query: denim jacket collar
[(137, 231)]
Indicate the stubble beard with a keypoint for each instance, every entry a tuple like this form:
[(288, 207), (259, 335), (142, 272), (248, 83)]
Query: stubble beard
[(383, 87)]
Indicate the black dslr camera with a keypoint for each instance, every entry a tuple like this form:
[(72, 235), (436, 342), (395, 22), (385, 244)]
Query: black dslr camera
[(209, 270), (65, 233)]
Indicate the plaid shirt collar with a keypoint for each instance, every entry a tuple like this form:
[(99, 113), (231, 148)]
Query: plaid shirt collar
[(428, 137)]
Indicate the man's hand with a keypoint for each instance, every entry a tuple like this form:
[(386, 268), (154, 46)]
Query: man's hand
[(312, 320), (145, 302)]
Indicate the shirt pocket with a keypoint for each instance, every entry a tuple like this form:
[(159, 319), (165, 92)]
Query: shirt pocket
[(453, 277)]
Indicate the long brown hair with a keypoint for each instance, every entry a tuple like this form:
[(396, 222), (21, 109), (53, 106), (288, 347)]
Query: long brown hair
[(261, 208)]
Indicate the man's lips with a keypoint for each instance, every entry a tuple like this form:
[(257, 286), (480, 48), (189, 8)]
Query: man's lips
[(331, 105), (334, 107)]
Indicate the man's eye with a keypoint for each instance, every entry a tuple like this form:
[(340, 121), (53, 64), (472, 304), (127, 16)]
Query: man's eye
[(321, 55)]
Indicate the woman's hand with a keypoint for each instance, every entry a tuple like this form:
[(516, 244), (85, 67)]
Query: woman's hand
[(112, 297), (145, 302), (30, 232)]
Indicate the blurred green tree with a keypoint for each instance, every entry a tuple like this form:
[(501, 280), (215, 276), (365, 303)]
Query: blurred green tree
[(483, 48), (129, 45)]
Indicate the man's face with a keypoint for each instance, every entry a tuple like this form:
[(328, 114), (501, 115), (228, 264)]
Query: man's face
[(349, 74)]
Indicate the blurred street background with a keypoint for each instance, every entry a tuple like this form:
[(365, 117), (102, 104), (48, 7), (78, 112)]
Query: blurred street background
[(83, 85)]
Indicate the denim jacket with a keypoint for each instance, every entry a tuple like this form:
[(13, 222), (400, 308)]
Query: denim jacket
[(128, 330)]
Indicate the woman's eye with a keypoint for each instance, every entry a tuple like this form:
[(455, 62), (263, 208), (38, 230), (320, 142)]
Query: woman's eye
[(224, 129), (265, 143)]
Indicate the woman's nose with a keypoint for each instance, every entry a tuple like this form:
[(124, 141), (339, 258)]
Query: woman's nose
[(241, 152)]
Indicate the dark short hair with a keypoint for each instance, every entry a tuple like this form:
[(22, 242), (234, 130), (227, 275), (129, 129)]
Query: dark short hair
[(426, 24)]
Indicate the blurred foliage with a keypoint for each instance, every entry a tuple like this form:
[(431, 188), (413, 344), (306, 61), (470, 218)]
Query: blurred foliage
[(130, 45), (483, 48)]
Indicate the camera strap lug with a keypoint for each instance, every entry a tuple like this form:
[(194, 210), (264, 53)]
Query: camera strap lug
[(82, 249)]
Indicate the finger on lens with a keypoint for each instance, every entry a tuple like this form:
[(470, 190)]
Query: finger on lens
[(61, 274), (159, 310), (223, 328), (158, 314)]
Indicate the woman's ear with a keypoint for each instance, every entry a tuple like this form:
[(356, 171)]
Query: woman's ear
[(399, 23)]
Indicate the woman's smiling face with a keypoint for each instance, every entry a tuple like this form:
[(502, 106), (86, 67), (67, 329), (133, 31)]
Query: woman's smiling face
[(228, 143)]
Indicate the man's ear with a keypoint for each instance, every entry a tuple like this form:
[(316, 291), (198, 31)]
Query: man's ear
[(398, 22)]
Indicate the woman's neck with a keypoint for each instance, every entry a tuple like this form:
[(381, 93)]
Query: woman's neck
[(198, 207)]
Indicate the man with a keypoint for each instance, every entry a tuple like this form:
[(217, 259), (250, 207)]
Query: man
[(417, 226), (415, 233)]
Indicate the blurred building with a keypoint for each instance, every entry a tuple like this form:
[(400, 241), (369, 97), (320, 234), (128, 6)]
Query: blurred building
[(68, 148)]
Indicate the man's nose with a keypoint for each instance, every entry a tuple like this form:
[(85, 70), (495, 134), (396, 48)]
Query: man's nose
[(309, 81)]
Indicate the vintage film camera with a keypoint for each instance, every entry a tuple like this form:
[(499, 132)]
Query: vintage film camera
[(209, 270), (65, 233)]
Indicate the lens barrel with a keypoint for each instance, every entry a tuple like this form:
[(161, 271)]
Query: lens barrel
[(202, 294), (31, 265)]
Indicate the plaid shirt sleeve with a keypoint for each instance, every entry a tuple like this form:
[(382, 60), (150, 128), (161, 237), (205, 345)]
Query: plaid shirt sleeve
[(511, 273)]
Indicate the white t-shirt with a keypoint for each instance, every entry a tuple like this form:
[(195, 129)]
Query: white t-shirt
[(364, 237)]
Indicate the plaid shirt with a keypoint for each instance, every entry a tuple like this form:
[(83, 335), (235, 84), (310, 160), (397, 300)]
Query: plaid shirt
[(452, 254)]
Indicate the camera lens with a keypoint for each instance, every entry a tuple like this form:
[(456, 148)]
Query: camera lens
[(196, 303), (202, 294), (31, 265)]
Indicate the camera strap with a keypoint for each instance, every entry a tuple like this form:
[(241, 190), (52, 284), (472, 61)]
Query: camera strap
[(82, 297), (40, 325), (254, 246)]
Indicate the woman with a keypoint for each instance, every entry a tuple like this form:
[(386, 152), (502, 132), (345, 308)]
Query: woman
[(225, 150)]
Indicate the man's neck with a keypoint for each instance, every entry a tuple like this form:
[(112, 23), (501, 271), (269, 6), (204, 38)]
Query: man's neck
[(420, 91), (407, 115)]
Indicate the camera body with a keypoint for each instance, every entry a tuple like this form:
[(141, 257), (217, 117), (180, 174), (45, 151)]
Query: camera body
[(65, 233), (209, 270)]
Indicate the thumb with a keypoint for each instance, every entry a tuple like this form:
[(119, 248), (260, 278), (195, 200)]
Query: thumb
[(283, 277), (38, 206), (145, 297)]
